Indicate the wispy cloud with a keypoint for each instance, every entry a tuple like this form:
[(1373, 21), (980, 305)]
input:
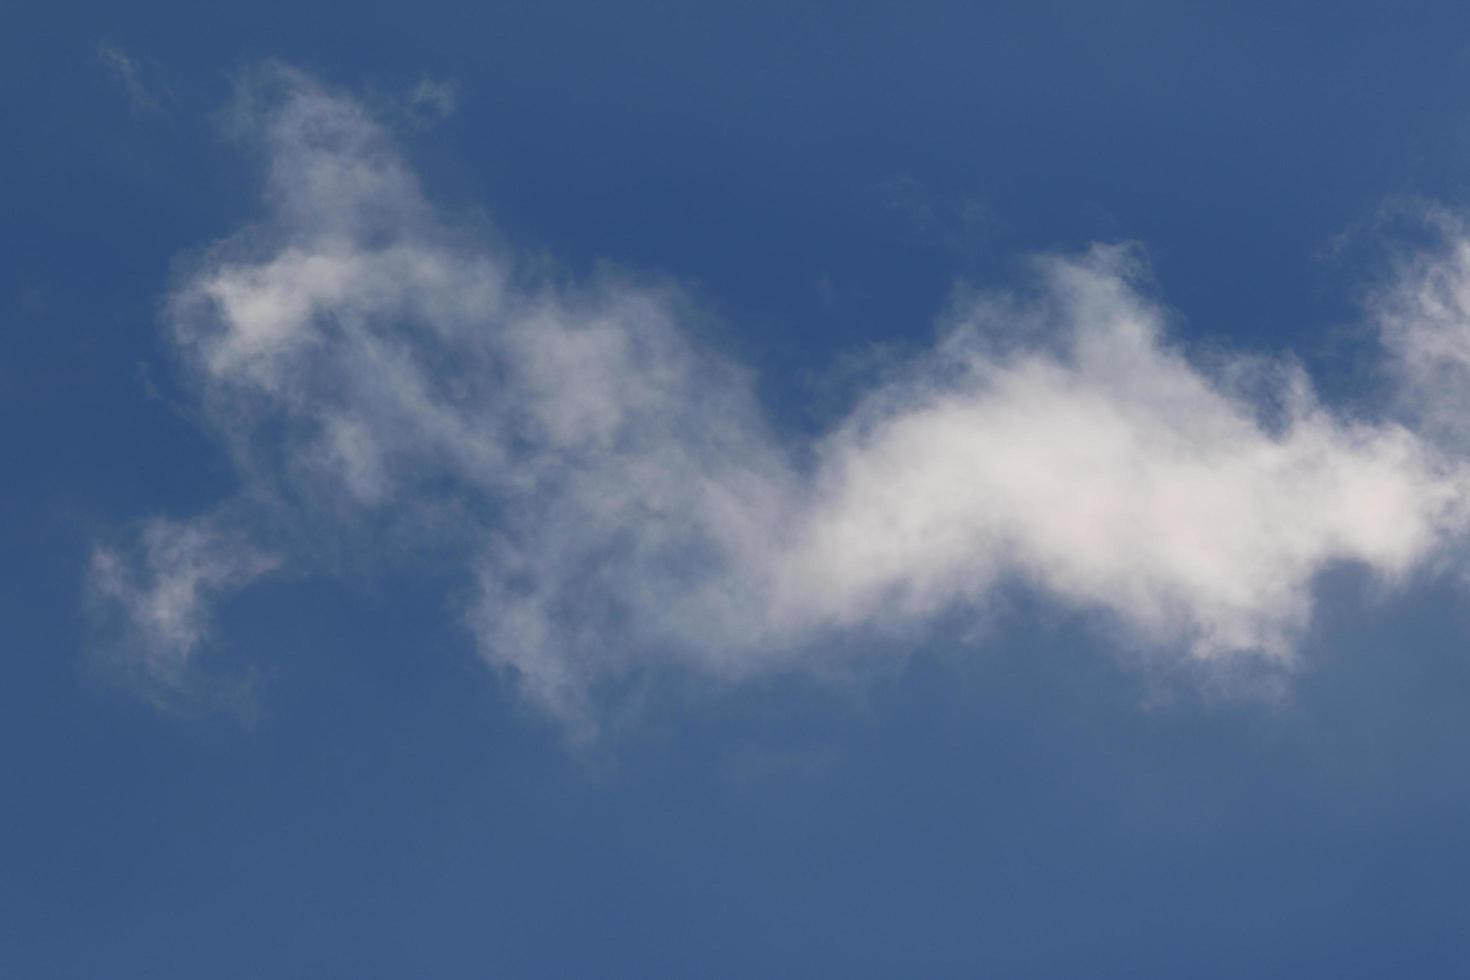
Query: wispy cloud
[(959, 226), (434, 100), (616, 494), (163, 586), (144, 96)]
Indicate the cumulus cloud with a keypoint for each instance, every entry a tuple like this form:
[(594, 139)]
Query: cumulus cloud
[(613, 489)]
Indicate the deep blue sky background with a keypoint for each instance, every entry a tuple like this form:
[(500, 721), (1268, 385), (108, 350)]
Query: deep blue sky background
[(822, 176)]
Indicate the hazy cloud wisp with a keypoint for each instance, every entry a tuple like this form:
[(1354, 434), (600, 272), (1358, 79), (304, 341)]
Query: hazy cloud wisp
[(143, 96)]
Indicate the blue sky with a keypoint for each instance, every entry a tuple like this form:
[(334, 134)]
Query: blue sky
[(656, 490)]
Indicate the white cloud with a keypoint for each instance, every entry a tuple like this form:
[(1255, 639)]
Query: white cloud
[(616, 493), (1425, 323), (1114, 474)]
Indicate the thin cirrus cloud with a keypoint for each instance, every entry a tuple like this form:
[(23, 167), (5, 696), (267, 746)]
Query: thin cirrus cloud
[(618, 499), (145, 95)]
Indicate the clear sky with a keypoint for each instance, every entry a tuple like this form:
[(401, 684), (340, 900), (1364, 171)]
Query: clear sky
[(632, 489)]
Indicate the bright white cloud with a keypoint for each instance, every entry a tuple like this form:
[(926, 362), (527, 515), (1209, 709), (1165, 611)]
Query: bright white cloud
[(618, 497)]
